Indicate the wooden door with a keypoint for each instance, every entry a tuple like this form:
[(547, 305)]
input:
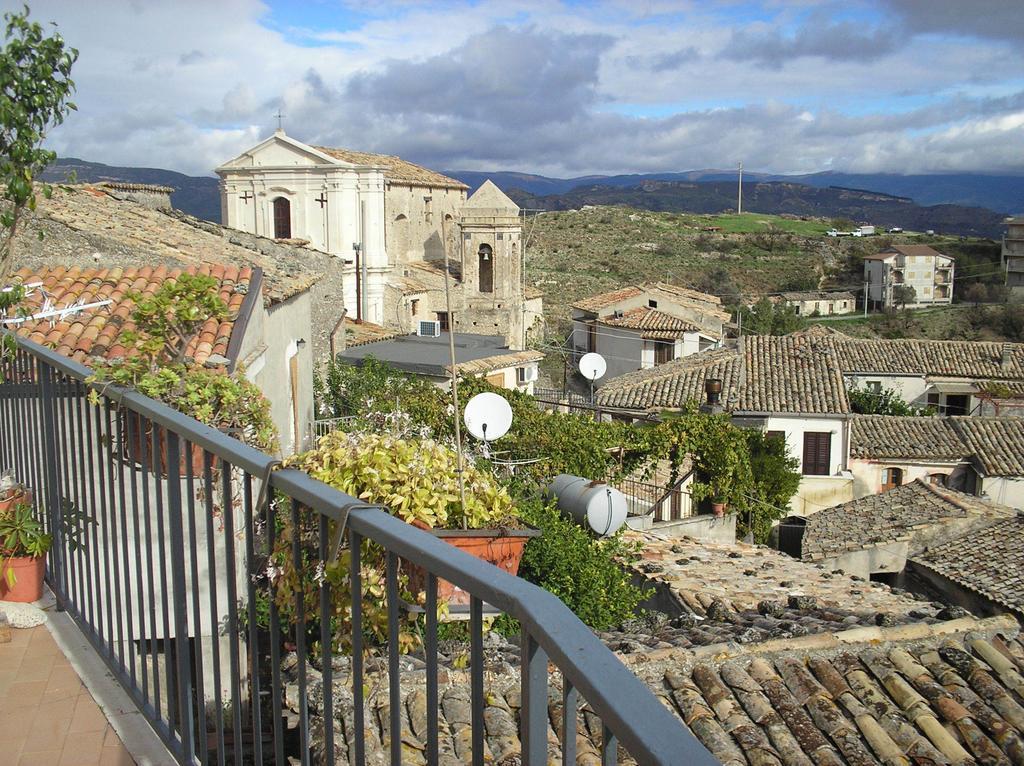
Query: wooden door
[(282, 218)]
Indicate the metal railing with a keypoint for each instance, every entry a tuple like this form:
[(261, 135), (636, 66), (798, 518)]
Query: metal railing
[(324, 426), (162, 530), (666, 504)]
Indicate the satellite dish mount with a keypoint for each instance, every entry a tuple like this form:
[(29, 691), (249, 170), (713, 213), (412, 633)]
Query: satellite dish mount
[(488, 416), (592, 367)]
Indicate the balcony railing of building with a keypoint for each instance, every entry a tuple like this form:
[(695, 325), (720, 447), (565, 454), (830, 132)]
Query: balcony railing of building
[(162, 531), (666, 504)]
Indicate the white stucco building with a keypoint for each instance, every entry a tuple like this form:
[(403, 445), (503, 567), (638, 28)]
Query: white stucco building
[(389, 222), (643, 326), (796, 387), (927, 271)]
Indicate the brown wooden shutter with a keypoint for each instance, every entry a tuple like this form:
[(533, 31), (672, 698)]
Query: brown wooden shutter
[(817, 453)]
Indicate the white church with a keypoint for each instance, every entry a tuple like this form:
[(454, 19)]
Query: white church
[(389, 222)]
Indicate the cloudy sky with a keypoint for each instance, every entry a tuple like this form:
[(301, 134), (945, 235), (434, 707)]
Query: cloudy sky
[(561, 89)]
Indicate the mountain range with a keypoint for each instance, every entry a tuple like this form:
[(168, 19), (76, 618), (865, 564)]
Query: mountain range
[(1001, 193), (968, 204)]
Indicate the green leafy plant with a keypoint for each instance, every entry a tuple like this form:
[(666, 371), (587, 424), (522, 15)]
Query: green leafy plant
[(35, 91), (164, 324), (21, 535), (417, 479), (885, 401), (583, 571), (776, 478), (166, 321)]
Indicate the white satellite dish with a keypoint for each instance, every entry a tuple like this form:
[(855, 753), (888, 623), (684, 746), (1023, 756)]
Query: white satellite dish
[(593, 366), (488, 416)]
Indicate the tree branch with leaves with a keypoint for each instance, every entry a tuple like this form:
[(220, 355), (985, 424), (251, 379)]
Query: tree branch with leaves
[(35, 92)]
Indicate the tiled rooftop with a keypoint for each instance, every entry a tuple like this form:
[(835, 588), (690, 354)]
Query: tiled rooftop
[(595, 303), (995, 444), (94, 333), (674, 383), (893, 696), (396, 169), (654, 324), (498, 361), (740, 576), (709, 304), (818, 296), (83, 223), (988, 560), (803, 372), (891, 516), (358, 333)]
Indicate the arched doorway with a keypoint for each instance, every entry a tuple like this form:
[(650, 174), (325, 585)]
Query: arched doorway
[(282, 218)]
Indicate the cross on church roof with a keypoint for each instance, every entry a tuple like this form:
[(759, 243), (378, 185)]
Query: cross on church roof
[(279, 117)]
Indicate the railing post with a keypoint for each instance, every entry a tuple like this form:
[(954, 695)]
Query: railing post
[(534, 693), (44, 374), (179, 589)]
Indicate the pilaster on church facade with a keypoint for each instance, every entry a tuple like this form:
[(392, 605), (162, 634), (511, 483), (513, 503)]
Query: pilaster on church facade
[(384, 218)]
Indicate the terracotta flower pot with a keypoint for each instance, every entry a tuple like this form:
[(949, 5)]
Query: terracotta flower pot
[(501, 547), (718, 509), (14, 498), (28, 573), (139, 447)]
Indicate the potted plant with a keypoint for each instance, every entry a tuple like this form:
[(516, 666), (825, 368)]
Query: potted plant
[(158, 365), (12, 493), (23, 548), (417, 480), (227, 402)]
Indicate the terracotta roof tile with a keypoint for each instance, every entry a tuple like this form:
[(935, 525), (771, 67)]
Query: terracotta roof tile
[(396, 170), (172, 240), (995, 443), (597, 302), (989, 561), (93, 333), (803, 372), (653, 323), (358, 333), (890, 517)]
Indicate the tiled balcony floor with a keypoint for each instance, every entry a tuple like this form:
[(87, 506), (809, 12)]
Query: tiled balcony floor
[(47, 716)]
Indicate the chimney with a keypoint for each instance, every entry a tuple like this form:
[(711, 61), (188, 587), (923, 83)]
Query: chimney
[(1005, 362), (713, 390)]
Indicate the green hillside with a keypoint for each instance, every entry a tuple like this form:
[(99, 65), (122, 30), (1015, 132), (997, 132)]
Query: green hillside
[(573, 254)]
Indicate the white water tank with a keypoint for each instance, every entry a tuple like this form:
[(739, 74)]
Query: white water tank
[(592, 504)]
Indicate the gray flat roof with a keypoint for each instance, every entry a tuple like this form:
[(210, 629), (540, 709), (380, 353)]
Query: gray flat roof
[(424, 355)]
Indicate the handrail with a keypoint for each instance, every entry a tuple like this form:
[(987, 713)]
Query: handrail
[(629, 710)]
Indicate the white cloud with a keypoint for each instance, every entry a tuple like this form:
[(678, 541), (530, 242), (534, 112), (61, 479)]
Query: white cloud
[(542, 87)]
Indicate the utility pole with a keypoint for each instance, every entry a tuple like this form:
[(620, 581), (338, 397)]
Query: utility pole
[(739, 195), (866, 285)]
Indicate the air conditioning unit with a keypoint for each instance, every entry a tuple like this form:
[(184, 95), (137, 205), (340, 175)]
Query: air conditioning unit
[(428, 329), (526, 375)]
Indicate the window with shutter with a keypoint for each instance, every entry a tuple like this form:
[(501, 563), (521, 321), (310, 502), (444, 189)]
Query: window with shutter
[(664, 352), (891, 478), (817, 453)]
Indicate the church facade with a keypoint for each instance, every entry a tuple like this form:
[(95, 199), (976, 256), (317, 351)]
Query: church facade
[(388, 222)]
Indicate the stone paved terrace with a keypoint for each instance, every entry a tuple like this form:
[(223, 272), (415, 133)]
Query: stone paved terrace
[(47, 716)]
